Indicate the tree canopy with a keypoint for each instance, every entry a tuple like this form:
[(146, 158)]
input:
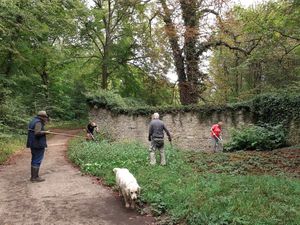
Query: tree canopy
[(53, 53), (267, 56)]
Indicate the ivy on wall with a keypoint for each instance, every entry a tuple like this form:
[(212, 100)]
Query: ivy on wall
[(269, 108), (276, 109), (266, 112)]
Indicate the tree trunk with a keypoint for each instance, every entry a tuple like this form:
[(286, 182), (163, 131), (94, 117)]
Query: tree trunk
[(45, 80), (107, 21), (104, 81), (185, 91), (187, 65), (191, 23), (236, 64)]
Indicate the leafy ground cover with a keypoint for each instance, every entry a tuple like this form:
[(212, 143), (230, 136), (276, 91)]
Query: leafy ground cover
[(201, 188), (284, 162), (9, 144)]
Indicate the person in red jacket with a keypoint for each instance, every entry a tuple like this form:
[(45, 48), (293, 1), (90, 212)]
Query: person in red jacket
[(215, 133)]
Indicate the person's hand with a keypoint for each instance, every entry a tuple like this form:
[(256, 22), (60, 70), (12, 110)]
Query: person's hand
[(46, 132), (149, 138), (170, 139)]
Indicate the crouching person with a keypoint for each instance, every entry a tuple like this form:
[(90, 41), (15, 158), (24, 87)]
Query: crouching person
[(156, 137), (90, 131), (36, 141)]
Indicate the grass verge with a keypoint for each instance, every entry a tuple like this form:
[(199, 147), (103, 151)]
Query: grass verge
[(197, 188), (9, 144)]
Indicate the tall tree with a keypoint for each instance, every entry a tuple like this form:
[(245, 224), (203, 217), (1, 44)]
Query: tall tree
[(270, 33), (105, 27), (124, 45), (34, 36), (190, 37), (187, 55)]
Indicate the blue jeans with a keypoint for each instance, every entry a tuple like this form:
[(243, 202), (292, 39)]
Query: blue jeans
[(37, 155), (216, 144)]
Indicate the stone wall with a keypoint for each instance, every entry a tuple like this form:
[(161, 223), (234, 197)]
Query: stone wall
[(188, 130)]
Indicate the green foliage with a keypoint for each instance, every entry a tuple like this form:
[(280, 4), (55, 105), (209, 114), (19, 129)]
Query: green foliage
[(35, 64), (253, 137), (117, 104), (111, 100), (51, 55), (279, 108), (69, 124), (268, 33), (13, 115), (192, 196), (122, 52), (10, 143), (267, 108), (272, 113), (104, 135)]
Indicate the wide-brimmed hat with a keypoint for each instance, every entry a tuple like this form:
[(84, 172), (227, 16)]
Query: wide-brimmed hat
[(43, 114)]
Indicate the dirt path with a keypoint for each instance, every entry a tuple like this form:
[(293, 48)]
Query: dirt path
[(66, 197)]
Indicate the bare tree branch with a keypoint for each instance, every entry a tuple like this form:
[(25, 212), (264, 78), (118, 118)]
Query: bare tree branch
[(99, 38), (85, 57), (285, 35), (208, 45), (203, 11), (95, 42), (287, 51)]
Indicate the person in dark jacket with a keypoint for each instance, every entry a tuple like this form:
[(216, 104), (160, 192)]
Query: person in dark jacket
[(36, 141), (90, 131), (156, 137)]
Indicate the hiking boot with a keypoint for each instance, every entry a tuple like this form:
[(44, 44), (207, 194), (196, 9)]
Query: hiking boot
[(37, 179), (35, 175)]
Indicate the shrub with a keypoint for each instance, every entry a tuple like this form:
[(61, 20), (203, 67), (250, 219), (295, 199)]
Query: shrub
[(253, 137), (13, 114)]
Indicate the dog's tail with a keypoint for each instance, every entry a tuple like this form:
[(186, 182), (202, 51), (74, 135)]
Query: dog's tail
[(115, 169)]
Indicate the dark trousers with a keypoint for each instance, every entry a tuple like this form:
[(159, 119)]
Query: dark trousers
[(37, 155)]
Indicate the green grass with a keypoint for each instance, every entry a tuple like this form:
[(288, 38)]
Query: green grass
[(9, 144), (197, 188)]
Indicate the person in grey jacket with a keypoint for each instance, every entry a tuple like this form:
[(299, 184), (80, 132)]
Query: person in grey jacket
[(156, 137)]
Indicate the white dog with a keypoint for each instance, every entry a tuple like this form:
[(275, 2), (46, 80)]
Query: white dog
[(127, 186)]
